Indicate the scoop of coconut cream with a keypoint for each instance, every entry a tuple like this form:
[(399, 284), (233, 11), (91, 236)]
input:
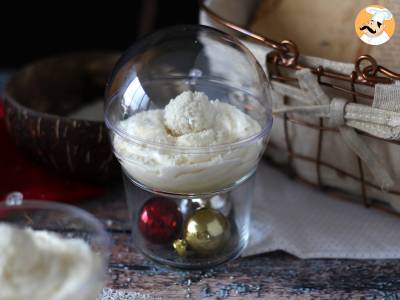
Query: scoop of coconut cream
[(189, 112)]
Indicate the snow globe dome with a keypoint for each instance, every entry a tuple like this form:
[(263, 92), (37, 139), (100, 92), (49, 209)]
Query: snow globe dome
[(186, 57)]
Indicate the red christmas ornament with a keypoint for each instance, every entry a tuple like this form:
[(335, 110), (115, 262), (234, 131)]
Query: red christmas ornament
[(159, 220)]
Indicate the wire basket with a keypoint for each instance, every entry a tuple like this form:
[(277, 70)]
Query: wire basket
[(357, 86)]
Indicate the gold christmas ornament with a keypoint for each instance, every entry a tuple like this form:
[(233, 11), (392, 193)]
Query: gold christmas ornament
[(207, 230), (180, 247)]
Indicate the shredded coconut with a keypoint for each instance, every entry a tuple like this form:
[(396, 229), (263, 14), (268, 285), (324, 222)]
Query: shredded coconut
[(39, 265), (189, 112)]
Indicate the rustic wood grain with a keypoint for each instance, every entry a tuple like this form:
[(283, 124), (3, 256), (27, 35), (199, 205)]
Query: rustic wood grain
[(270, 276)]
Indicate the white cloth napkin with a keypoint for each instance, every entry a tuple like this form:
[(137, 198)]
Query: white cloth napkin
[(290, 216)]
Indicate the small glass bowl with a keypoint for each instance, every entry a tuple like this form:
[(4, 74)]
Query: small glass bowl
[(68, 222)]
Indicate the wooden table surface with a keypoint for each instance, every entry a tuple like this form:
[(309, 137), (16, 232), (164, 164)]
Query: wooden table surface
[(270, 276)]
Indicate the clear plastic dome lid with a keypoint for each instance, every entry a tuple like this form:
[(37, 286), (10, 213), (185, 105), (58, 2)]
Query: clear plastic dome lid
[(188, 111), (187, 58)]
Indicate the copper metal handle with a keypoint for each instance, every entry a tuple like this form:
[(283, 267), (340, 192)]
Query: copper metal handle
[(288, 56)]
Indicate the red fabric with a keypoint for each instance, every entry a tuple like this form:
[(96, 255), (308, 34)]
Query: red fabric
[(18, 173)]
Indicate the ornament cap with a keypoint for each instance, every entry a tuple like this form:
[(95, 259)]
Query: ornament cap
[(180, 247)]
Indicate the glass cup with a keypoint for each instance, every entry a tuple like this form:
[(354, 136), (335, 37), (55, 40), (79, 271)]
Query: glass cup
[(189, 205)]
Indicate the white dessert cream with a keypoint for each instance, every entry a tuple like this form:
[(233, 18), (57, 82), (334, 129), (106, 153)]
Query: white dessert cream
[(38, 265), (196, 152)]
